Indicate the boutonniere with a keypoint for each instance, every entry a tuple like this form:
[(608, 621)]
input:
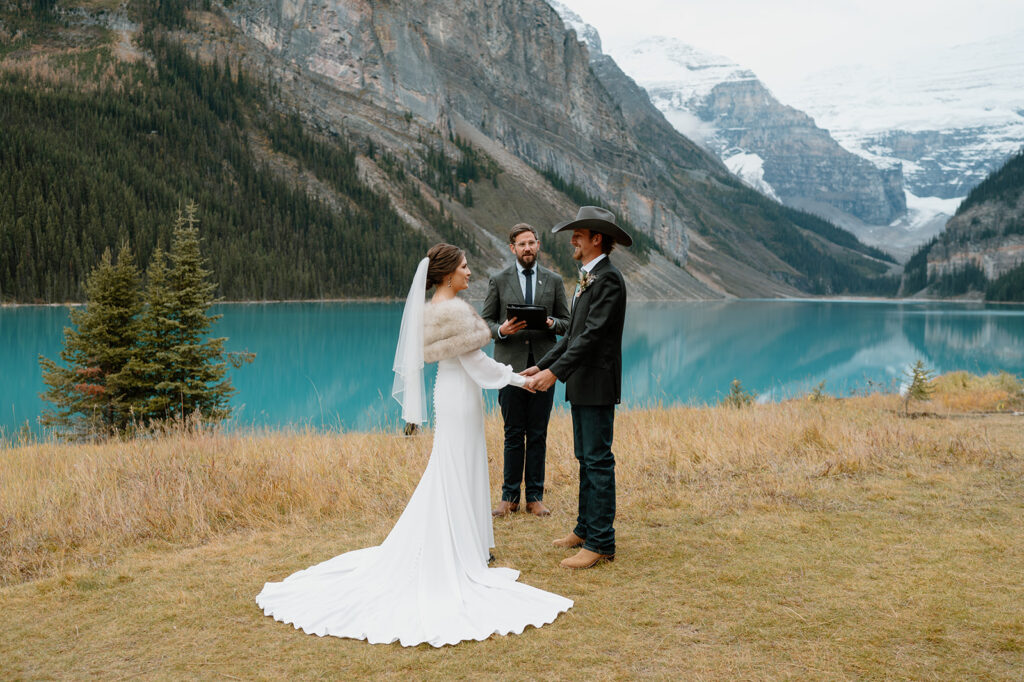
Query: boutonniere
[(585, 280)]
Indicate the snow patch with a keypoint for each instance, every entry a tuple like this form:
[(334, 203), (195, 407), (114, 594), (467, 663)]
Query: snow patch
[(659, 63), (749, 168), (584, 31), (966, 86), (924, 210), (933, 204)]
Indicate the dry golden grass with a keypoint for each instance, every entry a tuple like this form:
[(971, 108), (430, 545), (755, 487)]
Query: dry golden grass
[(831, 539), (965, 392), (69, 504)]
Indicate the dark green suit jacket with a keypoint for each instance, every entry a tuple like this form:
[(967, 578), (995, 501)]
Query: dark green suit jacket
[(504, 288), (589, 357)]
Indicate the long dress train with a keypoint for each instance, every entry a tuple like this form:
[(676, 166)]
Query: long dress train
[(429, 580)]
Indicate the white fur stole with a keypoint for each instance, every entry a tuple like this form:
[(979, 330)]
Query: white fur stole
[(451, 328)]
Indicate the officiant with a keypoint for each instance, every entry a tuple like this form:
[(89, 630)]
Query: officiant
[(526, 415)]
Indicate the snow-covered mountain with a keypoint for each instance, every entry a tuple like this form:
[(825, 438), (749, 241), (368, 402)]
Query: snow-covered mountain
[(775, 148), (678, 79), (949, 118), (931, 128)]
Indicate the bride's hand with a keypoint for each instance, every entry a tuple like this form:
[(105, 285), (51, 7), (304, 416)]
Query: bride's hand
[(528, 386)]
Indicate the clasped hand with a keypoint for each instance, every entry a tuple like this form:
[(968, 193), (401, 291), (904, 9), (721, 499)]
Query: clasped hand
[(538, 379)]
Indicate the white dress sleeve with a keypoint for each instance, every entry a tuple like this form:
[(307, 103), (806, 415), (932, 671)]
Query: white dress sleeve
[(488, 373)]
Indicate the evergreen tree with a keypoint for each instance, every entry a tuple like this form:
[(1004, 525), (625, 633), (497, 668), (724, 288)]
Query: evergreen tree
[(90, 394), (919, 386), (1004, 185), (157, 340), (1007, 287), (193, 368), (915, 272), (738, 396), (135, 358), (968, 277)]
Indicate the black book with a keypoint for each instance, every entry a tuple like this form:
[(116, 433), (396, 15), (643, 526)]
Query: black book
[(536, 316)]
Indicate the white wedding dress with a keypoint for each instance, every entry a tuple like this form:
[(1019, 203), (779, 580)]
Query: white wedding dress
[(429, 580)]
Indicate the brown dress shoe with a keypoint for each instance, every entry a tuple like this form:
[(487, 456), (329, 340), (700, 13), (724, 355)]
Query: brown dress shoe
[(586, 559), (537, 508), (505, 508), (570, 541)]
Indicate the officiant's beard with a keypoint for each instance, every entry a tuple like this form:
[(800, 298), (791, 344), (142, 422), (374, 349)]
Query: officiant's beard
[(527, 259)]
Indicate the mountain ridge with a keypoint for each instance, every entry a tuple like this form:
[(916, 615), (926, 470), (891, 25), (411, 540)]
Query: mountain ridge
[(774, 148), (981, 251), (457, 128)]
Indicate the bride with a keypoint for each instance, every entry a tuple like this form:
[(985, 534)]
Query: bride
[(429, 580)]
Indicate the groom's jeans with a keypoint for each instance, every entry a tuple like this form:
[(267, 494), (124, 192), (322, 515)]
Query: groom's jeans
[(592, 429), (526, 418)]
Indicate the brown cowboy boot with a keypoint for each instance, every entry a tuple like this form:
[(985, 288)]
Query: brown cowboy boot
[(537, 508), (505, 508), (586, 559), (570, 541)]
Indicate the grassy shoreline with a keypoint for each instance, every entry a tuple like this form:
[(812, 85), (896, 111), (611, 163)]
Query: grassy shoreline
[(824, 539)]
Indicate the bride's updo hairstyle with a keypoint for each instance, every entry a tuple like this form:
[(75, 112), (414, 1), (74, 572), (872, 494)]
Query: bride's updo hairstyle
[(444, 259)]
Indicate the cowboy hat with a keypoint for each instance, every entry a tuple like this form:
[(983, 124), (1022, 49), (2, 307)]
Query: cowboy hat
[(596, 219)]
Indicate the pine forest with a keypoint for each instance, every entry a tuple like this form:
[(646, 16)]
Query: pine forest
[(84, 169)]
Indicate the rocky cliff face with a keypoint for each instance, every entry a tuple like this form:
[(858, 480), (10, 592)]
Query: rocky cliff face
[(466, 117), (982, 242), (988, 236), (507, 69), (506, 76), (801, 161), (993, 256), (945, 164)]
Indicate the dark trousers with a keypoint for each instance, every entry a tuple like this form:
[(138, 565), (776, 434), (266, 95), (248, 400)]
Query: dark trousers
[(526, 435), (592, 429)]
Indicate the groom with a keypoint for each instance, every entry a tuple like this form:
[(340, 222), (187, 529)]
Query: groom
[(589, 360)]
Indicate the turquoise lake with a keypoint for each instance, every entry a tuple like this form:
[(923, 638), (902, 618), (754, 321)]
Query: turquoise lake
[(328, 365)]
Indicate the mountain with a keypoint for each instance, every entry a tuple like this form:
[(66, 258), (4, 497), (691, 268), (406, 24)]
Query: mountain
[(774, 147), (442, 120), (981, 251), (948, 119), (104, 140), (943, 120)]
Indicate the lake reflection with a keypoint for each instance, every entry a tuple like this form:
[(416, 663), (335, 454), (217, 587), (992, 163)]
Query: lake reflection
[(691, 352), (328, 365)]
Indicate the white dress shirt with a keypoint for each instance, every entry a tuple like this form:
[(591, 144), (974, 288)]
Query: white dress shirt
[(522, 278), (590, 266), (522, 284)]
